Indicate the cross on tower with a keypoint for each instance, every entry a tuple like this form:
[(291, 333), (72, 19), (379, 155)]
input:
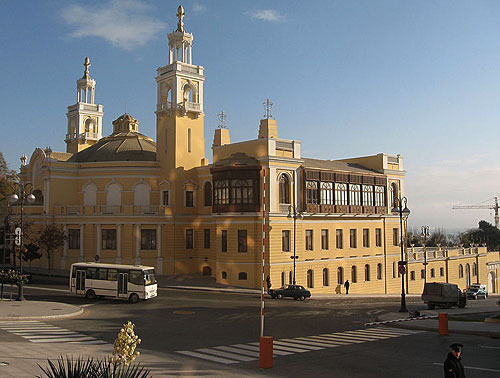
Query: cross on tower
[(86, 65), (180, 16), (222, 119), (268, 104)]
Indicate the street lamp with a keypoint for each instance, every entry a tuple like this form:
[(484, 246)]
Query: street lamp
[(424, 236), (403, 213), (22, 194), (294, 213)]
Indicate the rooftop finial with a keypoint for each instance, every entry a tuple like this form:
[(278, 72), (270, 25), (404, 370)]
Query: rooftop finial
[(268, 104), (222, 119), (87, 65), (180, 16)]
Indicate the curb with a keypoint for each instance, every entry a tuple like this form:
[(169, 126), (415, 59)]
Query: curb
[(219, 289), (400, 320), (43, 317)]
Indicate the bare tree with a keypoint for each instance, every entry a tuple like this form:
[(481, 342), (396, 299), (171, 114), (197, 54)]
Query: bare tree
[(50, 238)]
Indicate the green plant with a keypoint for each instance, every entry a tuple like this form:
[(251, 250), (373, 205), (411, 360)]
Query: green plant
[(68, 367)]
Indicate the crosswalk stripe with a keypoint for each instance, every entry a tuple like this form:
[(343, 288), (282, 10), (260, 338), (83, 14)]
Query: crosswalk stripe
[(278, 345), (303, 343), (329, 340), (208, 357), (319, 342), (28, 328), (344, 338), (275, 351), (62, 339), (397, 330), (370, 332), (240, 351), (367, 336), (232, 356), (53, 336), (39, 332), (90, 342)]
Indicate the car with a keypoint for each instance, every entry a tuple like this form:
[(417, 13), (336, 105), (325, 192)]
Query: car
[(480, 287), (292, 291), (445, 295), (475, 293)]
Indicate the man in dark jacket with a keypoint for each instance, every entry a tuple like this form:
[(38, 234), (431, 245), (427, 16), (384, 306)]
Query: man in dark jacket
[(453, 367), (346, 285)]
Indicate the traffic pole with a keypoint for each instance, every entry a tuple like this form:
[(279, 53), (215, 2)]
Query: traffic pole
[(443, 324)]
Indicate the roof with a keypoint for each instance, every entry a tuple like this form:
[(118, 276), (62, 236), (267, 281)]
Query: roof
[(238, 160), (124, 146), (61, 156), (337, 165), (117, 266)]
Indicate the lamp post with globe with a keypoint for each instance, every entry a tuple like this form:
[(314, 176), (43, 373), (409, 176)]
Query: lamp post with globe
[(403, 212)]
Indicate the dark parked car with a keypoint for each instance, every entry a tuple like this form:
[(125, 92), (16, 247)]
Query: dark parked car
[(293, 291)]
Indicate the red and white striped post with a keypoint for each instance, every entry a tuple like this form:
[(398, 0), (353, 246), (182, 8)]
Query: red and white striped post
[(266, 342)]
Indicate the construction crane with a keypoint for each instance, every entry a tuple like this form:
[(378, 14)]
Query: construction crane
[(481, 206)]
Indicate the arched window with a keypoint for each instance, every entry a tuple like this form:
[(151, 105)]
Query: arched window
[(379, 196), (224, 275), (284, 189), (113, 194), (189, 140), (326, 278), (354, 274), (310, 278), (340, 275), (467, 275), (290, 277), (90, 194), (188, 93), (38, 196), (242, 275), (474, 269), (326, 193), (368, 198), (354, 194), (340, 194), (208, 193), (460, 271), (433, 273), (367, 272), (90, 126), (394, 194), (393, 269), (379, 271), (141, 194), (283, 279), (206, 271)]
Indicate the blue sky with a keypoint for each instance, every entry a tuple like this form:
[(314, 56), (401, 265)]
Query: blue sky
[(348, 78)]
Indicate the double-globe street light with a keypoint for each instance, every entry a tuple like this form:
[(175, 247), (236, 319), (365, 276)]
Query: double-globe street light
[(403, 212), (294, 213), (21, 194)]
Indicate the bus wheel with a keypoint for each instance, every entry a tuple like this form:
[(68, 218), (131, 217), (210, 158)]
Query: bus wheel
[(134, 298), (90, 294)]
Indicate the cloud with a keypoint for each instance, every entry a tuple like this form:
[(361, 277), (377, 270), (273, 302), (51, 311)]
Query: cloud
[(123, 23), (198, 7), (270, 15)]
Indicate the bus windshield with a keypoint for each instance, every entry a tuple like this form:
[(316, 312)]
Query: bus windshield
[(149, 277)]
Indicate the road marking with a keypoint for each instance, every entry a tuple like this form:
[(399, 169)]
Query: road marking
[(490, 347), (277, 345), (257, 348), (240, 351), (220, 353), (208, 357), (369, 336), (297, 344), (472, 368), (325, 343), (63, 339), (329, 340)]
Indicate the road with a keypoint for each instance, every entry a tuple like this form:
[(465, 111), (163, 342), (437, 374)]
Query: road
[(215, 324)]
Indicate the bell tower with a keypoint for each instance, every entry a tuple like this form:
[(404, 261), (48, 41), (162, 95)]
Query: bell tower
[(84, 117), (179, 109)]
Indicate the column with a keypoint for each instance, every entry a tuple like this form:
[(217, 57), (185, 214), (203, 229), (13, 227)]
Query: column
[(99, 240), (118, 259), (80, 258), (65, 249), (190, 54), (137, 260), (170, 55), (159, 266)]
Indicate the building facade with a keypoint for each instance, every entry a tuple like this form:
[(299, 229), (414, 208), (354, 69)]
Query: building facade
[(125, 198)]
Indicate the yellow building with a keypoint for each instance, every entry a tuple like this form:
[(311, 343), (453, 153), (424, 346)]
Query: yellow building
[(126, 199)]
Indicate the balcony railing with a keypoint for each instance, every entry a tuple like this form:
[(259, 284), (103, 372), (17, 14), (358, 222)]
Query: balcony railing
[(192, 106), (113, 209), (146, 210), (164, 106)]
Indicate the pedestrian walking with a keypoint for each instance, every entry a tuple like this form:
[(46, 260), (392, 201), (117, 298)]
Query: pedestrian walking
[(346, 285), (453, 367), (268, 282)]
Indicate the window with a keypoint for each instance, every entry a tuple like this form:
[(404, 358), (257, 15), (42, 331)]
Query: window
[(367, 272), (340, 275), (102, 274), (91, 273), (189, 239), (368, 199), (148, 239), (433, 273), (189, 140), (340, 194), (73, 238), (339, 243), (112, 274), (290, 277), (207, 190), (395, 236), (310, 278), (379, 271), (326, 280), (235, 187), (412, 275), (366, 237), (326, 193), (312, 192), (165, 198), (474, 269), (378, 237), (284, 189), (224, 275), (224, 241), (354, 274), (283, 279), (394, 195), (189, 198), (352, 238), (206, 238), (242, 240), (460, 271), (285, 240), (242, 275), (354, 194), (441, 272), (221, 192), (108, 239), (309, 240), (324, 239), (242, 192), (136, 277), (393, 269), (422, 273), (379, 196)]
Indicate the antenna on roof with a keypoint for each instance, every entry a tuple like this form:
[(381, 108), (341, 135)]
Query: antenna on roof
[(222, 119), (268, 104)]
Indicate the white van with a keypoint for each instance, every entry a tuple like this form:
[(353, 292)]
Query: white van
[(480, 287)]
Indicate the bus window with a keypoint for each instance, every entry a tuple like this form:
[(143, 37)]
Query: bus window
[(103, 274), (149, 277), (92, 273), (112, 273), (73, 274), (135, 277)]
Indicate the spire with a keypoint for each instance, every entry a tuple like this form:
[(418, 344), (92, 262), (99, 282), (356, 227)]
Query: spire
[(86, 65), (222, 119), (180, 15)]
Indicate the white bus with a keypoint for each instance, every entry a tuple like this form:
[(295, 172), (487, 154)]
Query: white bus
[(132, 282)]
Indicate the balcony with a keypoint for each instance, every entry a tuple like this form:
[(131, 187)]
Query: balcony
[(70, 137), (105, 210), (164, 106), (192, 107), (146, 210)]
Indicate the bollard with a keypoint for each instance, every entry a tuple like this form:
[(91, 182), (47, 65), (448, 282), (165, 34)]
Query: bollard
[(443, 324), (266, 352)]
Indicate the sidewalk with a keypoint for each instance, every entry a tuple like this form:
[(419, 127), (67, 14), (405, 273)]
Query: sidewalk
[(36, 310)]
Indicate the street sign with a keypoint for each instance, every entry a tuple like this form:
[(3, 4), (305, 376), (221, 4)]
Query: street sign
[(401, 269), (18, 233)]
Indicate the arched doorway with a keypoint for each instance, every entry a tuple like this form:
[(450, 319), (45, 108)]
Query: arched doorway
[(491, 282), (207, 271), (467, 275)]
